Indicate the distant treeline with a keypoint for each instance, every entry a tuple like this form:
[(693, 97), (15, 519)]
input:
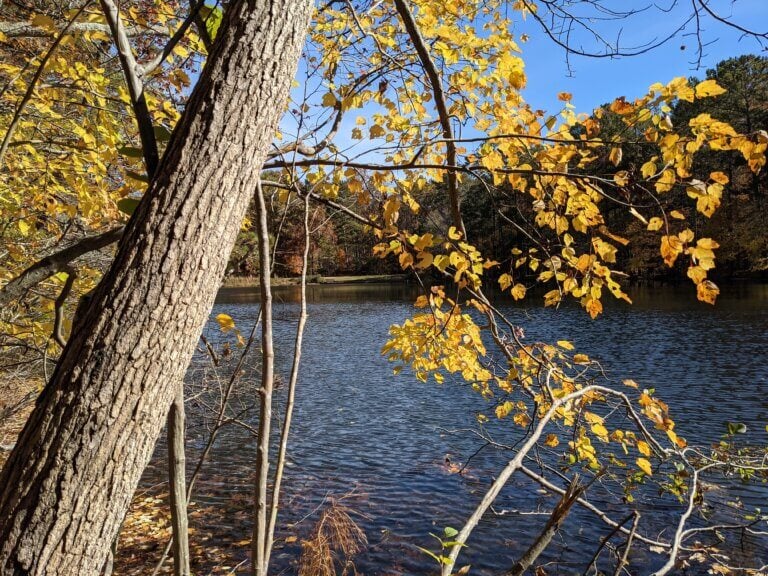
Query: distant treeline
[(342, 246)]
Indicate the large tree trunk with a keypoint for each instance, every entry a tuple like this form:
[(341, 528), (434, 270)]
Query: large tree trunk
[(76, 464)]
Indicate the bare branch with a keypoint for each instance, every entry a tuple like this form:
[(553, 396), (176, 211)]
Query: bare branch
[(132, 72), (625, 555), (58, 319), (678, 539), (27, 30), (300, 147), (563, 507), (604, 541), (54, 263), (515, 464), (146, 69), (259, 538), (544, 483), (442, 109), (297, 348)]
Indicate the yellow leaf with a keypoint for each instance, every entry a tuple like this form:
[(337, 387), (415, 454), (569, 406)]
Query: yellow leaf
[(518, 291), (645, 466), (648, 169), (376, 131), (565, 344), (697, 274), (709, 88), (600, 431), (655, 224), (425, 260), (615, 156), (521, 419), (681, 443), (707, 291), (502, 410), (43, 21), (670, 249), (719, 177), (594, 307), (492, 161), (621, 178), (583, 358), (643, 448), (329, 100), (24, 227), (629, 382), (226, 323), (666, 181), (677, 215), (552, 297), (505, 281), (552, 440), (686, 236)]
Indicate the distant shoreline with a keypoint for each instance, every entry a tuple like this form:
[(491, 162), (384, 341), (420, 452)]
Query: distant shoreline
[(253, 281)]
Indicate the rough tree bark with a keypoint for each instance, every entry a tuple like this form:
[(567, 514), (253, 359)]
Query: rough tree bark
[(70, 478)]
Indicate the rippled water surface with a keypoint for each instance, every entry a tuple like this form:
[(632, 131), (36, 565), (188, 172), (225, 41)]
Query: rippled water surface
[(359, 428)]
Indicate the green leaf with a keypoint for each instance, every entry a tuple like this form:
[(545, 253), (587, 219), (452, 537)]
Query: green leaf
[(449, 532), (162, 134), (736, 428), (430, 554), (212, 18), (136, 176), (127, 205), (131, 151)]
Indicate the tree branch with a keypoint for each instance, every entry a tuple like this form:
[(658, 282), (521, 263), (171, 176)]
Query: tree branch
[(513, 465), (146, 69), (58, 319), (27, 30), (56, 262), (442, 109), (132, 72), (563, 507), (625, 555), (678, 539), (291, 393)]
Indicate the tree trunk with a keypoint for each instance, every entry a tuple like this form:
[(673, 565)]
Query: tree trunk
[(69, 481), (177, 463)]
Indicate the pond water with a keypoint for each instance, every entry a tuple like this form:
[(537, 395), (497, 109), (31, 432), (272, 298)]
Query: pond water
[(359, 429)]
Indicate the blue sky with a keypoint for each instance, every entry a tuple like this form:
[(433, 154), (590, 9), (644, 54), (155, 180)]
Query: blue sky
[(595, 81)]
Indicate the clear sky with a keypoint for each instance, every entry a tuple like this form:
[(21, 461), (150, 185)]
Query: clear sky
[(595, 81)]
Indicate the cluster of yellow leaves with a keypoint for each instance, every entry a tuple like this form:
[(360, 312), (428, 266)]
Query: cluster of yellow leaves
[(74, 153), (544, 157), (444, 339), (462, 261)]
